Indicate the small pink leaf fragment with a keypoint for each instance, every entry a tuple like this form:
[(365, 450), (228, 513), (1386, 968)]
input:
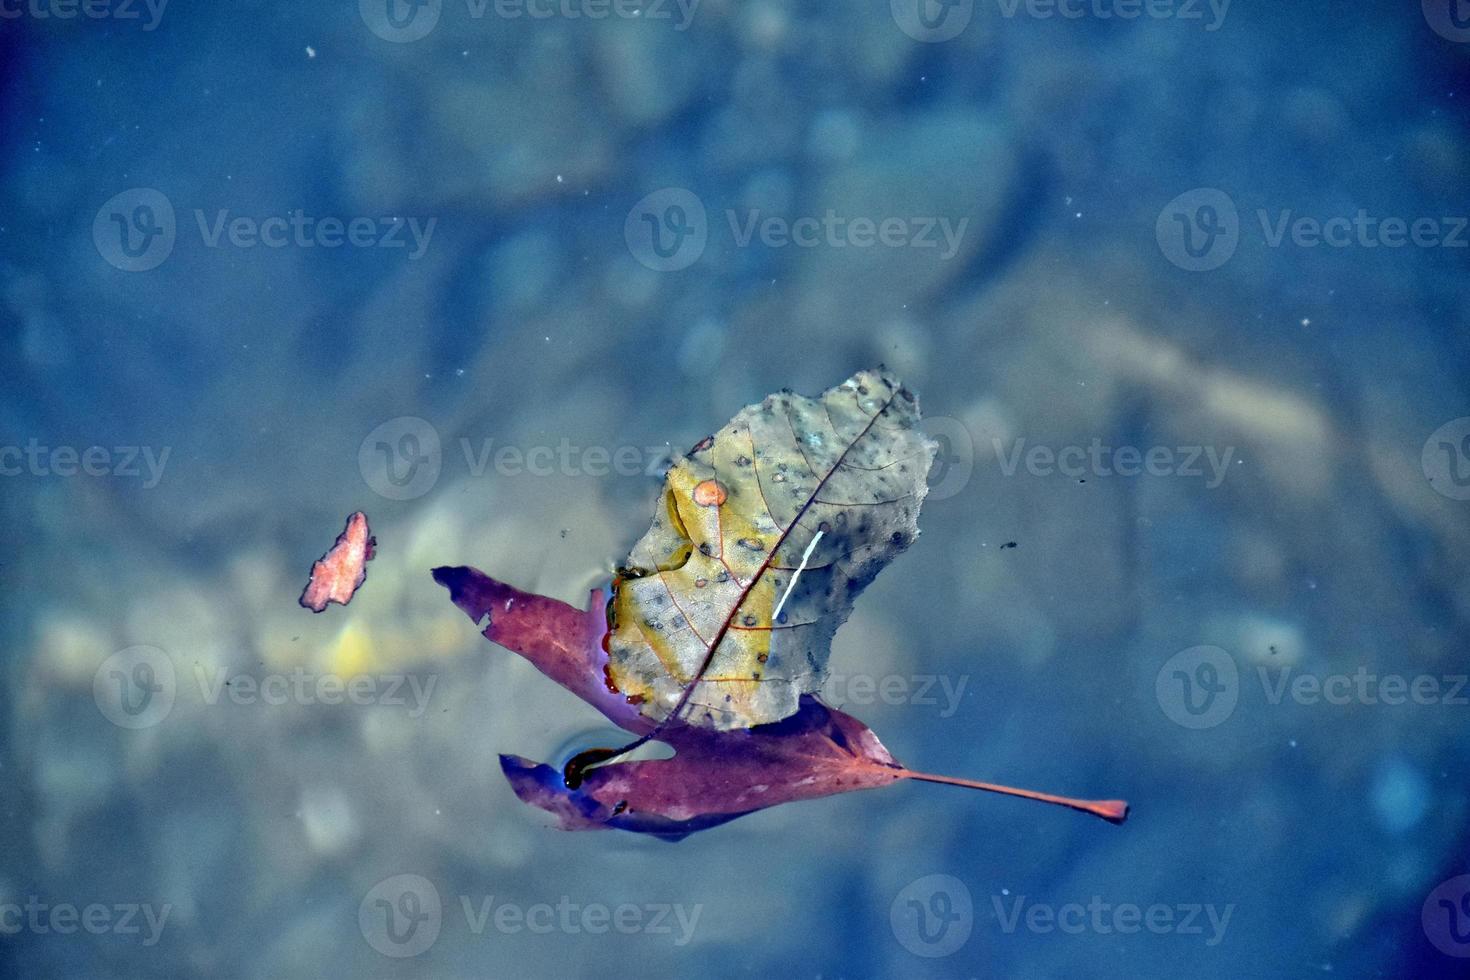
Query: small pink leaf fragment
[(339, 573)]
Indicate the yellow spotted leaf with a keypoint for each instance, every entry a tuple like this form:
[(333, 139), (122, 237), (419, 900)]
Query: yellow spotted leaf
[(765, 534)]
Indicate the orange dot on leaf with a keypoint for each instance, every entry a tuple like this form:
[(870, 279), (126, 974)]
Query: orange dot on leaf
[(709, 494)]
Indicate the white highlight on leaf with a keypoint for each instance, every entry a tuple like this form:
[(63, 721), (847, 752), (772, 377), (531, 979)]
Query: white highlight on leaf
[(805, 557)]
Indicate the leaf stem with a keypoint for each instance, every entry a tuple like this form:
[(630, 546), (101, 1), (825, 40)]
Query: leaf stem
[(1113, 811)]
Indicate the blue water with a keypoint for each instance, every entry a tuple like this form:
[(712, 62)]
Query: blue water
[(1181, 287)]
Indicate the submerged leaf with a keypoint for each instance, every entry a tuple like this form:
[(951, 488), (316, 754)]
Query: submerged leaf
[(715, 777), (765, 534)]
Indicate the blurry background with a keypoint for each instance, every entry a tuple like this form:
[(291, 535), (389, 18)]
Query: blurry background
[(1127, 268)]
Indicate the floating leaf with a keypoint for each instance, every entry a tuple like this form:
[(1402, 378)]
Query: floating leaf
[(674, 633), (765, 534), (339, 573), (715, 777)]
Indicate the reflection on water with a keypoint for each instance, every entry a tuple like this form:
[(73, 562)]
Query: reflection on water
[(1181, 296)]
